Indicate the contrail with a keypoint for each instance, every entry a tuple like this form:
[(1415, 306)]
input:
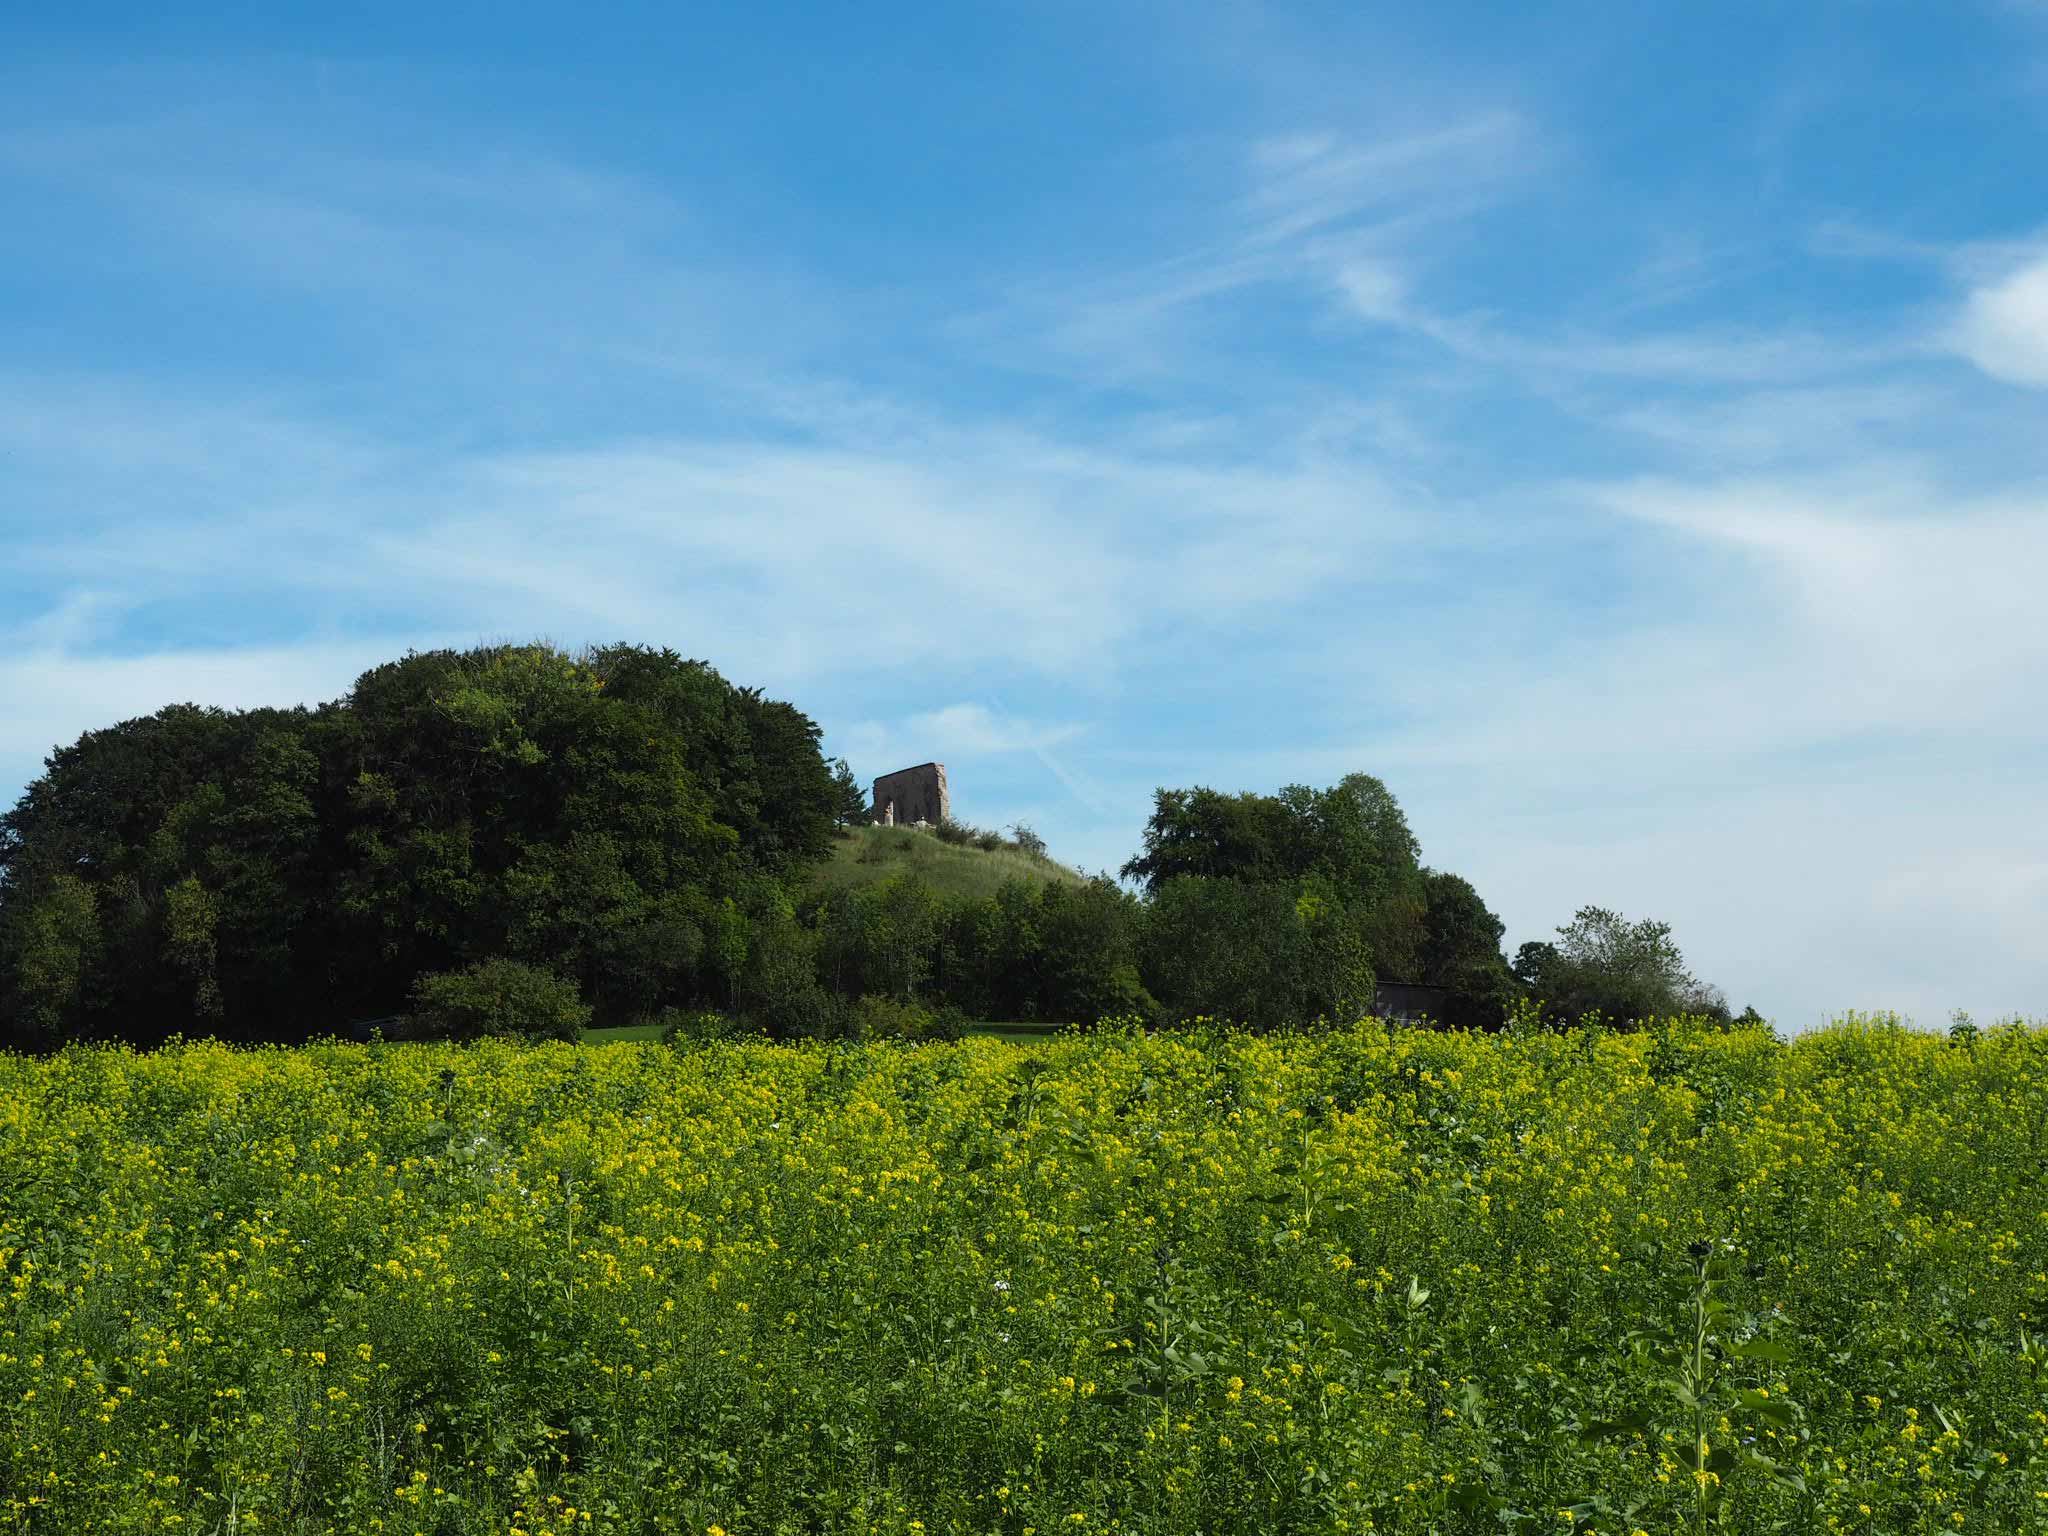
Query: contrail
[(1073, 785)]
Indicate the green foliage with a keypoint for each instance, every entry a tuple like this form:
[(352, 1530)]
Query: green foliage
[(153, 877), (618, 817), (191, 921), (1714, 1414), (1624, 972), (697, 1026), (958, 833), (1264, 955), (894, 1018), (881, 939), (496, 997), (850, 806), (1067, 953), (52, 946), (1354, 834), (1461, 934), (1350, 844), (660, 838)]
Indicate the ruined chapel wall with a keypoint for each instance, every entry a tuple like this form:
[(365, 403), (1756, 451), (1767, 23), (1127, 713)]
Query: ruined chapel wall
[(919, 794)]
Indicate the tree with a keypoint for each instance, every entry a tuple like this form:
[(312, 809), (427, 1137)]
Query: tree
[(1460, 950), (497, 997), (1264, 955), (50, 947), (779, 990), (1460, 933), (1046, 950), (1352, 835), (192, 832), (1224, 949), (1335, 976), (1602, 963), (1356, 834), (850, 806), (797, 797), (884, 939), (273, 873)]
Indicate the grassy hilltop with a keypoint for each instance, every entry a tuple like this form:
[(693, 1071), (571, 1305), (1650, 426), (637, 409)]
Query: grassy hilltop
[(863, 856)]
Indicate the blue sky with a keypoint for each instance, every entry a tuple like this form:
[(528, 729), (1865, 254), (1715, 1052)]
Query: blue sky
[(1623, 430)]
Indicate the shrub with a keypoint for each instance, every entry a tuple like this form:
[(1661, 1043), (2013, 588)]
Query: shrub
[(947, 1023), (892, 1018), (698, 1026), (884, 1018), (1028, 840), (805, 1013), (497, 997)]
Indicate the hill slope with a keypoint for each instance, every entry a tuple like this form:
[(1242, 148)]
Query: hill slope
[(864, 856)]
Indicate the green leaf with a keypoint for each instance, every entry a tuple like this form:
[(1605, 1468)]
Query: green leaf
[(1611, 1429), (1763, 1349)]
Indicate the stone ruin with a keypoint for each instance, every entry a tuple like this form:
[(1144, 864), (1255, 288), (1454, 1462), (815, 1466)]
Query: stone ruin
[(913, 797)]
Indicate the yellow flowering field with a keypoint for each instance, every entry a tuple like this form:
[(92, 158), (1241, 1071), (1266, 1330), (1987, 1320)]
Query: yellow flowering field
[(1364, 1280)]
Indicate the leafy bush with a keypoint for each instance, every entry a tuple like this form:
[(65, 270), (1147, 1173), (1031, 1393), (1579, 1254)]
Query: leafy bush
[(497, 997), (698, 1026), (806, 1013), (885, 1018), (890, 1018), (946, 1023)]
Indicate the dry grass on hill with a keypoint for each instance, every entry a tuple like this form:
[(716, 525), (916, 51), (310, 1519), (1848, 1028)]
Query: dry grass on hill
[(867, 855)]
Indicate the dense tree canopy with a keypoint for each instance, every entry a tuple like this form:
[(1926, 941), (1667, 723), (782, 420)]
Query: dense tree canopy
[(1602, 963), (1353, 834), (263, 873), (469, 839), (1350, 841)]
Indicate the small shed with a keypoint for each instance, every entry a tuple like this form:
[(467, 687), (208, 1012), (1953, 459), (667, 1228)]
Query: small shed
[(1408, 1002)]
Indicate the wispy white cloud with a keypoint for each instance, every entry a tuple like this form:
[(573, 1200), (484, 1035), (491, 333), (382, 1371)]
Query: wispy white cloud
[(1310, 203), (1785, 616), (1832, 424), (1727, 355), (1304, 183), (976, 730), (2003, 327)]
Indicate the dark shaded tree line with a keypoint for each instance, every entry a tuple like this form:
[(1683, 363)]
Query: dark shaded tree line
[(612, 817), (509, 832)]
